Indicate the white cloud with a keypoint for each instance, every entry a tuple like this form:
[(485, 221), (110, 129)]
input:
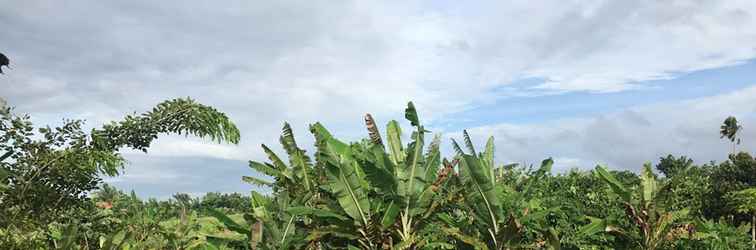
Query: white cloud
[(301, 61), (181, 146), (366, 56), (628, 138)]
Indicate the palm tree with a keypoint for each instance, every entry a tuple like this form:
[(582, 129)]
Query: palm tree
[(730, 129), (107, 195), (4, 61)]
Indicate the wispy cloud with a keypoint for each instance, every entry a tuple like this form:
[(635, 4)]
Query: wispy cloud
[(628, 138)]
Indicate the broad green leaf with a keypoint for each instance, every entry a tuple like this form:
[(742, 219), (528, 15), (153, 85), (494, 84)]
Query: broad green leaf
[(379, 171), (553, 239), (483, 187), (350, 247), (411, 114), (413, 180), (269, 170), (546, 165), (345, 183), (615, 185), (334, 230), (648, 184), (277, 163), (314, 212), (488, 158), (470, 240), (69, 237), (256, 181), (228, 222), (432, 159), (394, 134), (319, 131), (595, 226), (389, 215)]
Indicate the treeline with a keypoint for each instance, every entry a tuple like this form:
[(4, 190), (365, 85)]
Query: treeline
[(376, 193)]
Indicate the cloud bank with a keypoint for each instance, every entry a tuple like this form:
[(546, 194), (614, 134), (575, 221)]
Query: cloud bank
[(301, 61)]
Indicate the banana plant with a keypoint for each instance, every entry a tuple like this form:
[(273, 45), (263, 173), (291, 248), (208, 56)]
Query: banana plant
[(372, 194), (273, 223), (654, 226), (385, 188), (488, 225), (296, 177)]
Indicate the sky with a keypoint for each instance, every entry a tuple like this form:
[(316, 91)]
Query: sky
[(585, 82)]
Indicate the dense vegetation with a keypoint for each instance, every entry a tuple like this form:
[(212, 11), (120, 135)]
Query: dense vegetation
[(377, 193)]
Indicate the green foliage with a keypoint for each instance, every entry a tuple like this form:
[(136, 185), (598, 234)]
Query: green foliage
[(733, 175), (654, 226), (711, 235), (671, 166), (744, 201), (179, 116), (45, 173), (689, 188), (382, 192)]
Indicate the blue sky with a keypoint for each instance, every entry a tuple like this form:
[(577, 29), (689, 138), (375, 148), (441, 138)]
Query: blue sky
[(531, 109), (585, 82)]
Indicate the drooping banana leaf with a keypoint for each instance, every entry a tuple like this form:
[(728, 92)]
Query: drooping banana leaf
[(256, 181), (483, 188), (614, 184), (379, 171), (269, 170), (277, 163), (595, 226), (300, 210), (228, 222), (345, 182)]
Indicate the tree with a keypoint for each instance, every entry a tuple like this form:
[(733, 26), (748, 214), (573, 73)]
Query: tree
[(730, 129), (107, 195), (48, 173), (688, 188), (654, 225), (671, 166), (744, 201), (735, 174)]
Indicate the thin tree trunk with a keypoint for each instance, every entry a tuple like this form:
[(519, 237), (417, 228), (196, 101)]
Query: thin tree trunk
[(753, 231), (733, 148)]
